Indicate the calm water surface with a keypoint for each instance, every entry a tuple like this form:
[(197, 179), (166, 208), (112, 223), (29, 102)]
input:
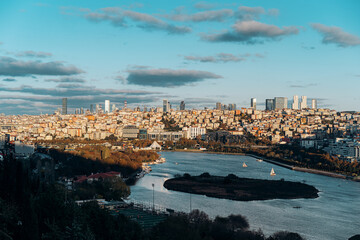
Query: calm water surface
[(334, 215)]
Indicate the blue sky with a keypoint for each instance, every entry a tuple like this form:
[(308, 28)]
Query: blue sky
[(200, 52)]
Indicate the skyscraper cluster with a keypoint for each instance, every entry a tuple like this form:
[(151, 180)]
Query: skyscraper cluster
[(303, 103), (166, 106), (279, 103), (231, 106)]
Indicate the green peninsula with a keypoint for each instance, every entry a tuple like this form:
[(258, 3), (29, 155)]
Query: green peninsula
[(240, 189)]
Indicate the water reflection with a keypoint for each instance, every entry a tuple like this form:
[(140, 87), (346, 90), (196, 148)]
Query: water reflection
[(334, 215)]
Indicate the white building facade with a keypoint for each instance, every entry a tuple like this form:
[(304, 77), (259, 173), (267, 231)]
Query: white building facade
[(107, 106), (193, 132)]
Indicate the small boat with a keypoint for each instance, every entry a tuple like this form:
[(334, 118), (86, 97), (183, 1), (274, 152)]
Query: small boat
[(176, 163), (272, 173), (244, 165), (259, 160), (161, 160)]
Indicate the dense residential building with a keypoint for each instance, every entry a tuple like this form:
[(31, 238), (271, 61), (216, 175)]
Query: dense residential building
[(280, 103), (303, 103), (295, 104), (307, 127), (64, 106), (253, 103), (346, 149), (193, 132), (269, 105), (158, 135), (130, 132)]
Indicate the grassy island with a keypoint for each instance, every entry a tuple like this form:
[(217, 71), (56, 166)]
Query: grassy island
[(240, 189)]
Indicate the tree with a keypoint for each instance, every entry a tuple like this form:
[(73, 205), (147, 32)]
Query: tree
[(284, 235)]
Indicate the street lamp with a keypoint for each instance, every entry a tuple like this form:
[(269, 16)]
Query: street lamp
[(153, 185), (190, 202)]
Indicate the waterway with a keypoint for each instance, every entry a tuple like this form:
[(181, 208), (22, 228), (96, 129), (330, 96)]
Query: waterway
[(334, 215)]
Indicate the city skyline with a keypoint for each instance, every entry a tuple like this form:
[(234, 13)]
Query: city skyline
[(197, 52), (269, 105)]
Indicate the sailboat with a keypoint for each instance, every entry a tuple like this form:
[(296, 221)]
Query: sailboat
[(272, 173), (244, 165)]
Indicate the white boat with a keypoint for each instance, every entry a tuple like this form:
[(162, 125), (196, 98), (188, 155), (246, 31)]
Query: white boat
[(272, 173), (259, 160), (244, 165)]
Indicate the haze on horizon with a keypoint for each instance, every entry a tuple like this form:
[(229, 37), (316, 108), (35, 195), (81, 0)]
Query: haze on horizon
[(196, 51)]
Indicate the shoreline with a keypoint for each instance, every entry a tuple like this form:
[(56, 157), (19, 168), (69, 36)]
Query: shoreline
[(294, 168)]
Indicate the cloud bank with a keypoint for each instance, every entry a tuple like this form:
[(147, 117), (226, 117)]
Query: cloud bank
[(33, 54), (251, 32), (119, 17), (66, 80), (335, 35), (13, 67), (209, 16), (167, 77), (218, 58), (204, 5), (9, 80)]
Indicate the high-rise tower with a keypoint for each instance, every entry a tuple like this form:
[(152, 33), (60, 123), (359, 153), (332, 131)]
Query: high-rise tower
[(107, 106), (218, 106), (253, 103), (314, 104), (295, 104), (280, 103), (269, 104), (303, 103), (182, 105), (64, 106), (166, 106)]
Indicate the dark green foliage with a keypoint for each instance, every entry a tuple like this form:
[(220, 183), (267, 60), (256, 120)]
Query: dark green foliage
[(283, 235), (186, 175), (170, 125), (355, 237), (205, 175), (31, 209), (198, 226), (109, 188)]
